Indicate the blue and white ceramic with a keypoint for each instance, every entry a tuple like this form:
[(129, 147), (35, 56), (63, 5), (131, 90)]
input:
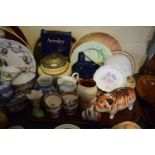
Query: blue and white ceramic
[(6, 91), (45, 83)]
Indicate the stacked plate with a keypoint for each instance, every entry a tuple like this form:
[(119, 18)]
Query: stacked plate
[(97, 47), (103, 38), (104, 50)]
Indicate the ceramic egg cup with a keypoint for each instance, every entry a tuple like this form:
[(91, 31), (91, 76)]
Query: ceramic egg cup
[(35, 97)]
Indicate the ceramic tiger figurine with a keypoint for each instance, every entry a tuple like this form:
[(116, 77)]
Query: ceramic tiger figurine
[(116, 100)]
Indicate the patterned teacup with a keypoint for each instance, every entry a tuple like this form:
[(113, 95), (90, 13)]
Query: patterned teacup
[(45, 83), (70, 103), (53, 104)]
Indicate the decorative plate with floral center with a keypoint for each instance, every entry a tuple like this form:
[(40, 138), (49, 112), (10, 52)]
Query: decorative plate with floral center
[(109, 78)]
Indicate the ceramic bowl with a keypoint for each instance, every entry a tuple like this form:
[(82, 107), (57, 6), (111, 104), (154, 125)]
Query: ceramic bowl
[(54, 64), (146, 88), (54, 71), (23, 81), (68, 71)]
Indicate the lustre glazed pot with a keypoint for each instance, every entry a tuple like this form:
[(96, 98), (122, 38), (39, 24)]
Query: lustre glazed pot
[(87, 89)]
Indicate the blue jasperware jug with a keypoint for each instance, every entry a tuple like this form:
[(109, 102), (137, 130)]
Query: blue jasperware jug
[(86, 69)]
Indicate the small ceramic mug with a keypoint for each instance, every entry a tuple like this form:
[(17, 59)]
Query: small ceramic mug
[(45, 82), (70, 103), (53, 104)]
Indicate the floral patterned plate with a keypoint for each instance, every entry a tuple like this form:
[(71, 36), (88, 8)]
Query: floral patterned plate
[(13, 53), (108, 78)]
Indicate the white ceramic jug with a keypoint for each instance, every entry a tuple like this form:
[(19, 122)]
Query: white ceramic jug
[(68, 83)]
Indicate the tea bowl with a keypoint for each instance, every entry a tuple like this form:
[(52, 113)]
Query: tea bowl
[(23, 81)]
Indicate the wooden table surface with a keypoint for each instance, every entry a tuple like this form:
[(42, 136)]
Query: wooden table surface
[(142, 114)]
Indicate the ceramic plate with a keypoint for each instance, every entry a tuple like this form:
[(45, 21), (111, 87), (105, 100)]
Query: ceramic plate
[(127, 55), (67, 126), (103, 38), (16, 54), (109, 78), (94, 51)]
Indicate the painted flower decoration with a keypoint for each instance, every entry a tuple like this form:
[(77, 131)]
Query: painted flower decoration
[(35, 94)]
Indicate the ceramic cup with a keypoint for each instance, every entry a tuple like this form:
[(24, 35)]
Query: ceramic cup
[(9, 72), (6, 91), (68, 83), (70, 103), (87, 90), (53, 104), (45, 82)]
